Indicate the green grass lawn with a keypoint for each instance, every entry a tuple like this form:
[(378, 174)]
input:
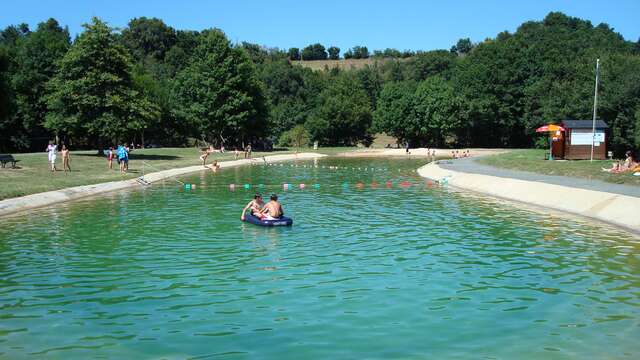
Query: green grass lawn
[(33, 175), (532, 160)]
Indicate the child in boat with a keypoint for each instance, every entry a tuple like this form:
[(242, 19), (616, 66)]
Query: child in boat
[(255, 207)]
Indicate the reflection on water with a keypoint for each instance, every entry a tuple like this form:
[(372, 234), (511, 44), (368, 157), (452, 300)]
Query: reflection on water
[(404, 273)]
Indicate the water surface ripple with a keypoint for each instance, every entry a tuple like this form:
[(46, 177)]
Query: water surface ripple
[(423, 272)]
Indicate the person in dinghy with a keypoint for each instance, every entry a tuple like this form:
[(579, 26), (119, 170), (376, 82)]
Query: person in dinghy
[(255, 207)]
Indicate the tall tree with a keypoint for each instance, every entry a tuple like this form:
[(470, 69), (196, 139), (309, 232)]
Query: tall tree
[(344, 115), (5, 99), (334, 52), (36, 61), (462, 47), (92, 93), (294, 54), (219, 94), (148, 37), (314, 52)]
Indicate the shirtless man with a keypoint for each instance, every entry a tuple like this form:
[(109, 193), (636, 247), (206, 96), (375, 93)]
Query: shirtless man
[(205, 153), (273, 210), (256, 205)]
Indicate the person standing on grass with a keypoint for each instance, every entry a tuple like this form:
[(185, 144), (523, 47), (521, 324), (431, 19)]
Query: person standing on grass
[(66, 157), (51, 150), (122, 154), (236, 153), (110, 156), (126, 158)]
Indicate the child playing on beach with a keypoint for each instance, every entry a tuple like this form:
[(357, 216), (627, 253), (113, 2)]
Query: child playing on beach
[(66, 157)]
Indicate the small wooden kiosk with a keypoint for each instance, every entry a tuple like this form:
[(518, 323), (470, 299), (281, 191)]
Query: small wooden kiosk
[(577, 138)]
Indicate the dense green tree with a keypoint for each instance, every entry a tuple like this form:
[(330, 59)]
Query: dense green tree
[(370, 79), (314, 52), (344, 114), (462, 47), (92, 92), (5, 99), (148, 38), (359, 52), (36, 64), (218, 94), (438, 113), (294, 54), (334, 53), (425, 64), (395, 109)]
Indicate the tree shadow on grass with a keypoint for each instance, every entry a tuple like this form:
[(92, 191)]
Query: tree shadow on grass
[(133, 156)]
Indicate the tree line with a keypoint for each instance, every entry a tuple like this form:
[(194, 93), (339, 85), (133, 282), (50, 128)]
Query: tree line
[(151, 83)]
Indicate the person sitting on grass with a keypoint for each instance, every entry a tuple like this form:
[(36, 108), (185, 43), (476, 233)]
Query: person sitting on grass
[(254, 206), (273, 209), (629, 164)]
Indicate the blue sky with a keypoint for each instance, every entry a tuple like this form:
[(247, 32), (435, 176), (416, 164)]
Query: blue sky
[(415, 25)]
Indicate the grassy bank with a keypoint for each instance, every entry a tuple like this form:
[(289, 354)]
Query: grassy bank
[(532, 160), (33, 176)]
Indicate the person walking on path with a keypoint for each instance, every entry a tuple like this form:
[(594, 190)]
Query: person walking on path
[(66, 157), (51, 150)]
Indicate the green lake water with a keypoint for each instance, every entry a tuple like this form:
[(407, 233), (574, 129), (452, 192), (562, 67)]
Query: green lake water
[(417, 272)]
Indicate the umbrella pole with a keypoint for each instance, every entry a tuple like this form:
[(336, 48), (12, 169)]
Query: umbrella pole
[(550, 148)]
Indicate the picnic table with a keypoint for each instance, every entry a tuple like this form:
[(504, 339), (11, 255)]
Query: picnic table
[(7, 158)]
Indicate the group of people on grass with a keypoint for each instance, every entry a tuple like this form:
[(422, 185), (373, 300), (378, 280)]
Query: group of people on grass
[(52, 150), (269, 211), (121, 154), (629, 164)]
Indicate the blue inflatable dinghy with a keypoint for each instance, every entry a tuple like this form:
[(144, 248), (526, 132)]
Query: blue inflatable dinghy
[(283, 221)]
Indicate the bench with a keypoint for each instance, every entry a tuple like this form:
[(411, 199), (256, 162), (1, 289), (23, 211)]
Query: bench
[(6, 158)]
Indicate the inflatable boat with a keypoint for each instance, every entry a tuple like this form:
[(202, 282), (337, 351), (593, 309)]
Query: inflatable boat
[(283, 221)]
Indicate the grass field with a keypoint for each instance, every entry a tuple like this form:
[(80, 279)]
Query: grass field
[(532, 160), (33, 176)]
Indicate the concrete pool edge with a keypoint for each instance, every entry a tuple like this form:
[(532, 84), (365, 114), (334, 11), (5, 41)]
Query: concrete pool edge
[(28, 202), (610, 208)]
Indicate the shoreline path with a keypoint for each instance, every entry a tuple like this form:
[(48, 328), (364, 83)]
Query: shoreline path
[(471, 166), (616, 204)]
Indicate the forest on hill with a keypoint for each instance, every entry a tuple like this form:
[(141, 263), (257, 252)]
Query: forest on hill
[(151, 83)]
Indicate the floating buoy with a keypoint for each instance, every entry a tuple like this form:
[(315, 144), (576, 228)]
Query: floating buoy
[(302, 186), (232, 187), (187, 186), (359, 185), (247, 186), (374, 185), (316, 186), (405, 184), (388, 184)]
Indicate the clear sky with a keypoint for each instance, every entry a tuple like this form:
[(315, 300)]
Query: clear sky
[(410, 24)]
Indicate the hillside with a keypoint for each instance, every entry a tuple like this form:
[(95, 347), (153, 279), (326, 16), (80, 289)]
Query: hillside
[(342, 64)]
